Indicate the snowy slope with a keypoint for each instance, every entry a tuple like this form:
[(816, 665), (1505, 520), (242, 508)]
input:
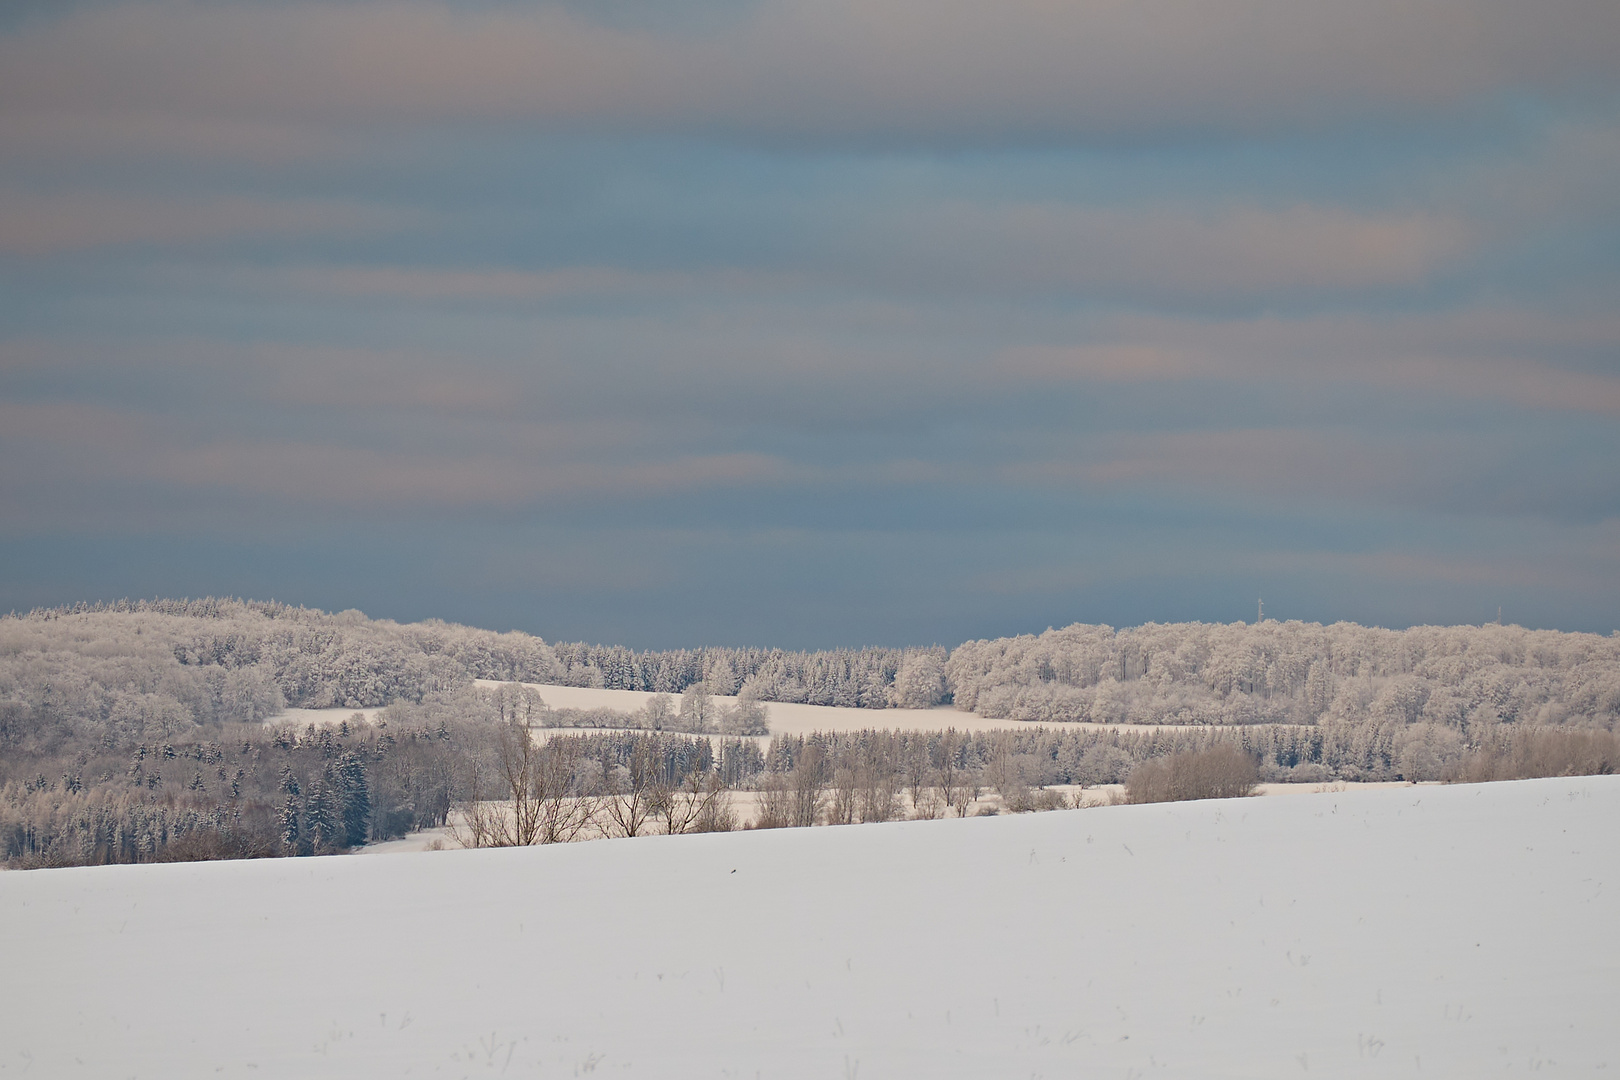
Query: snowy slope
[(1456, 931)]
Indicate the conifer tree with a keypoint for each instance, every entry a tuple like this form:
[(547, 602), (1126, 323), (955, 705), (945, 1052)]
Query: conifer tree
[(356, 798), (291, 838), (323, 814)]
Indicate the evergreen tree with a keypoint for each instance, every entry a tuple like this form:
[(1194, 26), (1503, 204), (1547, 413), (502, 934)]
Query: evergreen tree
[(292, 838), (355, 797), (323, 814)]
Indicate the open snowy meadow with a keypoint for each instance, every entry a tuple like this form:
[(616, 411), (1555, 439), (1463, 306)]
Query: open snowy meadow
[(1436, 931), (784, 717)]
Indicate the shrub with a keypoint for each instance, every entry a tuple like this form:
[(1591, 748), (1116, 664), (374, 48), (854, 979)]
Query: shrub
[(1220, 772), (1526, 754)]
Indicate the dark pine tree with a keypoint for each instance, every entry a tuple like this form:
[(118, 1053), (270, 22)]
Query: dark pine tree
[(323, 815), (356, 798), (292, 838)]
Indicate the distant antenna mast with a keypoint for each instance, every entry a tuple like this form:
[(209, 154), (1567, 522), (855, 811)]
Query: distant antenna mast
[(1498, 614), (1260, 618)]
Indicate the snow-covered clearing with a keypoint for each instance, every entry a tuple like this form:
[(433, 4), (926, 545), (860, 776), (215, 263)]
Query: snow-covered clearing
[(1452, 931), (789, 718), (785, 718), (301, 718)]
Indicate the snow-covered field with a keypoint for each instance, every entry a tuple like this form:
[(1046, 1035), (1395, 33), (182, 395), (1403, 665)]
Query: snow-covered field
[(788, 718), (785, 718), (1438, 931), (300, 718)]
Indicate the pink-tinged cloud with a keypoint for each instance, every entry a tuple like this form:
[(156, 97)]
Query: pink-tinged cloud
[(1526, 358), (1449, 472), (836, 68), (350, 477), (995, 249), (1274, 462), (497, 284), (1166, 250), (79, 450), (34, 223)]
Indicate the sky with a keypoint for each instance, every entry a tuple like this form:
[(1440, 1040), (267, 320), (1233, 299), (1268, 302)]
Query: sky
[(797, 324)]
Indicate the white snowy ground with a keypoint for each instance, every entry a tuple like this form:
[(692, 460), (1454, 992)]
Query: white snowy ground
[(785, 718), (788, 718), (1442, 931), (299, 718)]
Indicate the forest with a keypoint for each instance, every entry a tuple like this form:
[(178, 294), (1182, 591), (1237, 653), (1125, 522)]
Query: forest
[(147, 730)]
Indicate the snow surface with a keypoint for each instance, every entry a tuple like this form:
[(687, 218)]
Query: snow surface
[(300, 718), (790, 718), (1441, 931)]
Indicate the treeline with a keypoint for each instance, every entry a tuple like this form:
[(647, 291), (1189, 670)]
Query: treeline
[(473, 760), (156, 669), (138, 730), (1453, 677), (697, 712), (632, 783), (232, 791), (870, 678), (257, 791)]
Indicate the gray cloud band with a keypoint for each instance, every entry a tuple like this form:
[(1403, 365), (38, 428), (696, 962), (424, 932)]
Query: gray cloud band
[(900, 69)]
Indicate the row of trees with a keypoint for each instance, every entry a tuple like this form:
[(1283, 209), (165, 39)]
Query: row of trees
[(569, 787), (132, 730), (873, 678), (502, 781), (158, 669), (1456, 677), (697, 711), (557, 791), (238, 791)]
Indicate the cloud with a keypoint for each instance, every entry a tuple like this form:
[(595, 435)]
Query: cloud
[(59, 453), (926, 70), (1281, 462), (1158, 254), (1526, 358), (361, 477), (502, 284), (34, 223), (1162, 251), (1454, 473)]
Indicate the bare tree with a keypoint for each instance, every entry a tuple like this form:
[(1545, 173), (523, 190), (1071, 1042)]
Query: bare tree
[(535, 799), (1218, 772), (659, 713), (775, 802), (919, 772), (845, 805), (635, 793), (476, 827), (1009, 773), (808, 787), (565, 811), (695, 805), (698, 710), (746, 717), (931, 805), (877, 780), (959, 783), (511, 818)]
